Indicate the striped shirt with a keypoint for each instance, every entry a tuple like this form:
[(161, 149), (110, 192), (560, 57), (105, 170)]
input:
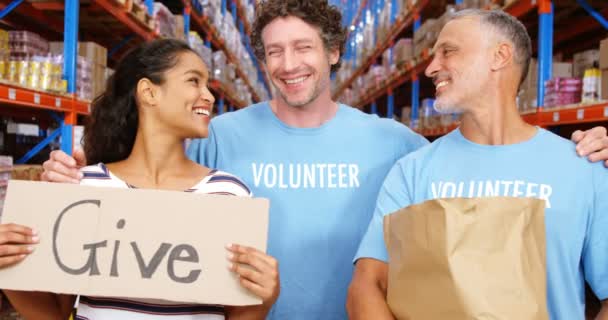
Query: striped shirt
[(98, 308)]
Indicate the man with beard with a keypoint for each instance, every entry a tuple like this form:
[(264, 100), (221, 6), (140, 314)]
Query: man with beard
[(481, 58)]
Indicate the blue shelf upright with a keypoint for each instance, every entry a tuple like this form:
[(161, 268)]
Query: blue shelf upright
[(545, 47), (415, 83)]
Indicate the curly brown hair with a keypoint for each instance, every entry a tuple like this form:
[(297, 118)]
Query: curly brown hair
[(314, 12)]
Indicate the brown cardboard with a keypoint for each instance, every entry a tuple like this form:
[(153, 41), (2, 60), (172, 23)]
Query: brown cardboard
[(604, 54), (479, 258), (584, 60), (90, 50), (604, 87), (151, 222)]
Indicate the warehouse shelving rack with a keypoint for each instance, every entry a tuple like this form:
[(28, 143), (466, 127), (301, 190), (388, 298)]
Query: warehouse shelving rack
[(576, 114), (121, 29)]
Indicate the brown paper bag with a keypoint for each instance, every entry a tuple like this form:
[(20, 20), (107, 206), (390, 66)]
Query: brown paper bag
[(467, 259)]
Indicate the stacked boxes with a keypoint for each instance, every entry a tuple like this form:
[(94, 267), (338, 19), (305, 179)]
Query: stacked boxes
[(562, 91), (603, 64), (166, 24), (90, 70), (529, 89), (584, 60)]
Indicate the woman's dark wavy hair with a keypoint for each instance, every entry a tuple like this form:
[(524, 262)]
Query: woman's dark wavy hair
[(109, 134), (317, 13)]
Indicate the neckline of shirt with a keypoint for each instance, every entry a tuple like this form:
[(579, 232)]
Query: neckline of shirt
[(209, 175), (302, 131), (505, 147)]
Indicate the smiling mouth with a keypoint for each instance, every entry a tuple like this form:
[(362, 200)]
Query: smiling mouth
[(441, 84), (201, 111), (296, 80)]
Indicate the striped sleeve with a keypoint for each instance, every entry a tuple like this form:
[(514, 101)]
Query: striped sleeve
[(224, 183)]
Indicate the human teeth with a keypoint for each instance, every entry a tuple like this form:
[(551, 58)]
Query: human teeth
[(202, 111), (441, 84), (294, 81)]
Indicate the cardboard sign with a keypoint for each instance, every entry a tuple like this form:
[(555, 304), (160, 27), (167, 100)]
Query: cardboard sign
[(133, 243)]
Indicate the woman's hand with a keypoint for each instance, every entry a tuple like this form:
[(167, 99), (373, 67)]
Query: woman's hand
[(258, 272), (15, 243)]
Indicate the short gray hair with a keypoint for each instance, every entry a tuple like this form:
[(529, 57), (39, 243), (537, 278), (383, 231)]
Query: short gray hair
[(509, 27)]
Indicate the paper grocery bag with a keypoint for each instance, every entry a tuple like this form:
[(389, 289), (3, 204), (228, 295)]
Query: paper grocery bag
[(468, 259)]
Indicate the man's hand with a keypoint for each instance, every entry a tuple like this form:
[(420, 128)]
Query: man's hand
[(63, 168), (16, 242), (592, 144)]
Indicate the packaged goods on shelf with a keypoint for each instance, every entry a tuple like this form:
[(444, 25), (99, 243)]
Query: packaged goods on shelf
[(592, 82), (199, 47), (562, 91), (426, 36), (219, 66), (384, 22), (242, 92), (166, 25), (42, 73), (5, 49), (94, 52), (23, 43), (179, 27), (585, 60), (528, 94), (403, 52), (249, 10), (375, 77), (388, 61)]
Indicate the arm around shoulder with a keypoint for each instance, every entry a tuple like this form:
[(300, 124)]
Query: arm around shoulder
[(367, 291)]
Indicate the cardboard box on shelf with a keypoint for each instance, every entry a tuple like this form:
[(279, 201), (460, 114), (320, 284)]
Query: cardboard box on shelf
[(604, 86), (583, 61), (99, 79), (90, 50), (179, 28), (529, 89), (604, 54)]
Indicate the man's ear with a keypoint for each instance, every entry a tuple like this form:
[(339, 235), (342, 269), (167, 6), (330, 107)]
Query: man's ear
[(503, 56), (147, 93), (334, 56)]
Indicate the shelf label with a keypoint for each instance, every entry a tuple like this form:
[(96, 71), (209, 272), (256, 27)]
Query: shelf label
[(556, 116), (580, 114), (58, 102), (36, 98), (605, 112), (12, 94)]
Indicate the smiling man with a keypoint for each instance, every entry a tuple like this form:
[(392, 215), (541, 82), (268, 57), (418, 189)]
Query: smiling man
[(481, 57)]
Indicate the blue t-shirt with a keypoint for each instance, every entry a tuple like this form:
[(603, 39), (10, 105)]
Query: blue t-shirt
[(545, 167), (322, 184)]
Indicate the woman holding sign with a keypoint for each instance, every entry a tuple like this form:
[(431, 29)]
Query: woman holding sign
[(157, 98)]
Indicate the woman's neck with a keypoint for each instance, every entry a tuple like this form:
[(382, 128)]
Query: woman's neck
[(158, 161)]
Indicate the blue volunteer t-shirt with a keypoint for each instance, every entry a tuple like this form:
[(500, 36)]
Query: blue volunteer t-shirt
[(545, 167), (322, 184)]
